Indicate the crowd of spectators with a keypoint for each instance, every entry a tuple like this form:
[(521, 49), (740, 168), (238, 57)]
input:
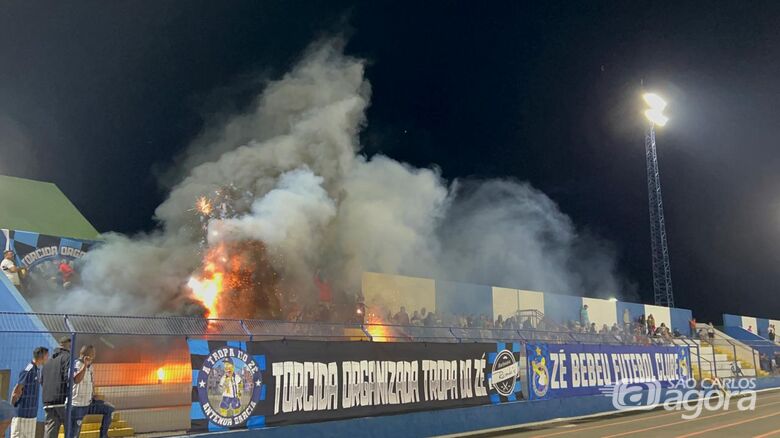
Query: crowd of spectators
[(642, 330)]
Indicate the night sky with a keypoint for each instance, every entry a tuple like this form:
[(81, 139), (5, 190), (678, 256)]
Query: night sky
[(100, 97)]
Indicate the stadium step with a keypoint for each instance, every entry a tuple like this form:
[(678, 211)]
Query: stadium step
[(90, 428)]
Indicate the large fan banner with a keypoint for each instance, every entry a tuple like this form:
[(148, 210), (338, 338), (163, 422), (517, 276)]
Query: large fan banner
[(568, 370), (48, 262), (258, 384)]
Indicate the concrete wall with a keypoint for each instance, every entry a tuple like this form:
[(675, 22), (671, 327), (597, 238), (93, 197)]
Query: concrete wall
[(506, 302), (393, 291), (463, 298), (759, 326), (602, 311)]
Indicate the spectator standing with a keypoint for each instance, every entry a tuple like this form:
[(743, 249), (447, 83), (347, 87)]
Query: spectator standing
[(402, 318), (771, 334), (54, 377), (84, 400), (710, 332), (584, 318), (692, 326), (650, 324), (66, 271), (25, 396), (416, 320), (9, 268), (642, 323)]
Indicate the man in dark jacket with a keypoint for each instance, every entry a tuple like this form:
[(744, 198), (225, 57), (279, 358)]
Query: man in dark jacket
[(55, 377)]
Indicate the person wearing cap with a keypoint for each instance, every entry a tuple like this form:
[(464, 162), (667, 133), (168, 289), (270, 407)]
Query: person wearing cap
[(9, 268), (54, 378)]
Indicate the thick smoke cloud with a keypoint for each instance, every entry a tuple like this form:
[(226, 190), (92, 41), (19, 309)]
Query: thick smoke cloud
[(303, 189)]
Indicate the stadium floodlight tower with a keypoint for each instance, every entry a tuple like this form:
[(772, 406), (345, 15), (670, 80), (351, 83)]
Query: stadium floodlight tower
[(662, 273)]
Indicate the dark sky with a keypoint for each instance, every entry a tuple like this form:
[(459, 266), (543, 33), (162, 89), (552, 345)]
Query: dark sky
[(98, 97)]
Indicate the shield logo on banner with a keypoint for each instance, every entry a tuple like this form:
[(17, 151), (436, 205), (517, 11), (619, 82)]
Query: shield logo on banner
[(504, 373)]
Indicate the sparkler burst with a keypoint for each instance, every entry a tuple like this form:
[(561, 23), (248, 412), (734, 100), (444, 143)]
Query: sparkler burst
[(203, 205)]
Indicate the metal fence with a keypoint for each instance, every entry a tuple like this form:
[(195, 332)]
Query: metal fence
[(142, 364)]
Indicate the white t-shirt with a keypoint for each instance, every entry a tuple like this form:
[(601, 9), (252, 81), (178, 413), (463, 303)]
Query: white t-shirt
[(230, 386), (82, 392), (7, 265)]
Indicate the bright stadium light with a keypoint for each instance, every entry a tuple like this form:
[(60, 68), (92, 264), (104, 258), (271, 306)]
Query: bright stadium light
[(655, 112), (654, 100), (656, 116), (662, 273)]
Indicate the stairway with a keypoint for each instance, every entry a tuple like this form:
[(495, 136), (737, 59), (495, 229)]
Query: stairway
[(90, 427), (716, 361)]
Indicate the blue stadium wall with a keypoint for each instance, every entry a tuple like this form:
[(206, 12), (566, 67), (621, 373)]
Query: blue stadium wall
[(22, 333), (447, 297), (17, 347)]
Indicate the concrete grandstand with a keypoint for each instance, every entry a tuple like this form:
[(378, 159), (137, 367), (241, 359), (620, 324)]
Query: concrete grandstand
[(151, 378)]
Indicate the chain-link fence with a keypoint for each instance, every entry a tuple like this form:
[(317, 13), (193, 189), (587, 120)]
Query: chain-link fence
[(133, 376)]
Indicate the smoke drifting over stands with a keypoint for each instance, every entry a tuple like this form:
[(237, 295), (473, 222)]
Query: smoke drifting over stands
[(322, 209)]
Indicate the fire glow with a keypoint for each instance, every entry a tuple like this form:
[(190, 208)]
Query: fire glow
[(207, 289), (377, 329)]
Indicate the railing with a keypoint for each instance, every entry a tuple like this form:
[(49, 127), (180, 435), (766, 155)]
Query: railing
[(255, 329)]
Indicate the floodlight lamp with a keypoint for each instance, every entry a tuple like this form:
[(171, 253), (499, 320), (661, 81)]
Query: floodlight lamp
[(655, 101), (656, 116)]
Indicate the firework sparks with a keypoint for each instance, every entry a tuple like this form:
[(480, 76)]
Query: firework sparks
[(203, 205), (237, 280)]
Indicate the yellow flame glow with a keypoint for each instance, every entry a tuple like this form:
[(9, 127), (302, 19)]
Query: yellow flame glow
[(206, 291)]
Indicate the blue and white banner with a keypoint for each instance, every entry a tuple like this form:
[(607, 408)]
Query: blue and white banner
[(562, 370)]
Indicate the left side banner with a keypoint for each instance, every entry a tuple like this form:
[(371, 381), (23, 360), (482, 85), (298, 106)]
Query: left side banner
[(255, 384)]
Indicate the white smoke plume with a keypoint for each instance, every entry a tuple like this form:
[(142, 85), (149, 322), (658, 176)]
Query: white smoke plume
[(303, 189)]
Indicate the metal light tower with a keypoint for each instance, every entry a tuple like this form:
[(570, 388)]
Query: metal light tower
[(662, 273)]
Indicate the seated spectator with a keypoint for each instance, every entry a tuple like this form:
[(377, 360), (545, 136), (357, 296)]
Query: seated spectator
[(402, 318), (429, 320), (604, 330), (416, 320), (592, 328), (499, 322), (527, 325)]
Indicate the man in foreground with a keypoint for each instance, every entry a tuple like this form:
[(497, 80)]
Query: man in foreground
[(54, 378), (25, 396), (85, 401)]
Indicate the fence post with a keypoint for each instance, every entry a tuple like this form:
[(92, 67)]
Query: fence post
[(365, 330), (68, 426), (246, 329), (455, 336), (698, 358), (714, 360)]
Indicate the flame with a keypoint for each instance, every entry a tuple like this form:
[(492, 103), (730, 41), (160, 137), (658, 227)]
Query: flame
[(377, 329), (236, 280), (206, 289), (160, 374), (204, 206)]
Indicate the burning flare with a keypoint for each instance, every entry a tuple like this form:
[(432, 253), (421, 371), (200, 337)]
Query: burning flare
[(207, 288)]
